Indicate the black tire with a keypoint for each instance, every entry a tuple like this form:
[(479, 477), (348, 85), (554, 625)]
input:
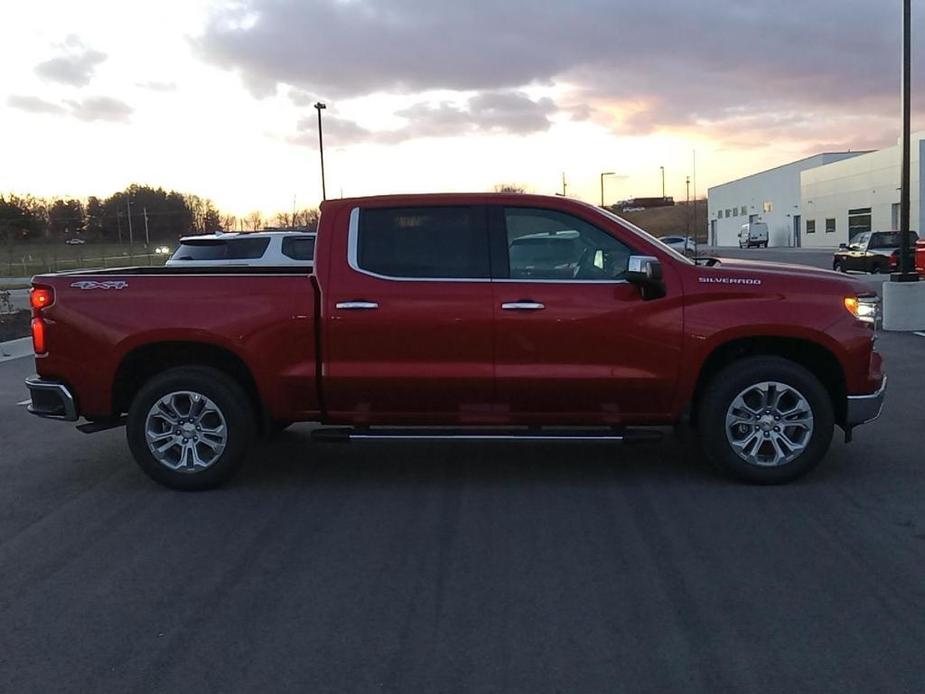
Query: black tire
[(723, 389), (233, 405)]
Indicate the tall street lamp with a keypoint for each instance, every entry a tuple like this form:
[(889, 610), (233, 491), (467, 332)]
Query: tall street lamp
[(319, 106), (128, 212), (907, 271), (663, 181), (605, 173)]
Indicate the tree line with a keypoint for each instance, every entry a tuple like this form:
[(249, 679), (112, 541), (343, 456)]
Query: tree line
[(136, 214)]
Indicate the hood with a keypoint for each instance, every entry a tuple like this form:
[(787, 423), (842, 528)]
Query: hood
[(782, 271)]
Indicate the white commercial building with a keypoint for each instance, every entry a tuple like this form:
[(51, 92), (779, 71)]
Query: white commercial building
[(772, 196), (845, 198)]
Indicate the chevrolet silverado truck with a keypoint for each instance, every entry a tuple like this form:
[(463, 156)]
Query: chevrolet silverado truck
[(455, 317)]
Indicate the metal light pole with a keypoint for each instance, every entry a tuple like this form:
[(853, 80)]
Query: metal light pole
[(147, 238), (605, 173), (663, 181), (907, 271), (687, 182), (319, 106), (128, 211)]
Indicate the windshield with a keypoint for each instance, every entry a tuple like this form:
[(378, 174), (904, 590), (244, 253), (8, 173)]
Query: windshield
[(680, 257), (859, 239)]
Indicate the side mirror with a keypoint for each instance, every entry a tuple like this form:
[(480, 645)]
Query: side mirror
[(645, 271)]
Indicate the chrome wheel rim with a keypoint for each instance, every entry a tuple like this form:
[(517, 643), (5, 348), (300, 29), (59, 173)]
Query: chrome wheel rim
[(186, 431), (769, 424)]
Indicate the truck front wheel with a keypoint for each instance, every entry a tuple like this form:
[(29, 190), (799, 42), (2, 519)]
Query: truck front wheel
[(766, 420), (190, 427)]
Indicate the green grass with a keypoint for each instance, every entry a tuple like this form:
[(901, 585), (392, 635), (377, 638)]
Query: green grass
[(23, 259)]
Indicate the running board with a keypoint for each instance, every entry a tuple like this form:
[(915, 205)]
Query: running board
[(101, 425), (343, 434)]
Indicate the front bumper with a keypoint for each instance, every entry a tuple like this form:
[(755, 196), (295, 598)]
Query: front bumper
[(51, 399), (865, 408)]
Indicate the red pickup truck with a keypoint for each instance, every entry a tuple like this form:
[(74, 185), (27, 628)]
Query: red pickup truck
[(462, 316)]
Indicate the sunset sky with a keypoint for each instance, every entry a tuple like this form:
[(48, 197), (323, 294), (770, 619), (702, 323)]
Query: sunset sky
[(214, 98)]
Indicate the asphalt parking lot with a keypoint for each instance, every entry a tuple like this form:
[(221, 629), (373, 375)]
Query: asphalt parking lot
[(463, 568)]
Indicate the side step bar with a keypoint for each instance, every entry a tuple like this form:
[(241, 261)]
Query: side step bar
[(344, 434)]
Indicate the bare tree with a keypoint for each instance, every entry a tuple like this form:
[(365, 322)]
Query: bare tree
[(510, 188), (307, 218), (229, 222), (253, 221), (285, 220)]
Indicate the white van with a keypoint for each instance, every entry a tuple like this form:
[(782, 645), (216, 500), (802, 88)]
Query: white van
[(753, 234)]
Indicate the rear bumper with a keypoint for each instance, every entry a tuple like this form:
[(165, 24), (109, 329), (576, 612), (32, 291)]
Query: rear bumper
[(51, 399), (865, 408)]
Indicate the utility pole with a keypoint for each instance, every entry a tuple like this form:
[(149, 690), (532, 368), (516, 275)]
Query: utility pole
[(687, 182), (319, 107), (907, 271), (119, 222), (147, 238), (128, 211), (663, 181), (563, 184), (605, 173)]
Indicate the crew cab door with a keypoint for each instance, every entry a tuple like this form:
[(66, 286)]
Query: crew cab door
[(575, 343), (408, 318)]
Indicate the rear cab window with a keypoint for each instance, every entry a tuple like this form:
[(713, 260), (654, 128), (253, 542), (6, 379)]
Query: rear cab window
[(221, 249), (422, 243)]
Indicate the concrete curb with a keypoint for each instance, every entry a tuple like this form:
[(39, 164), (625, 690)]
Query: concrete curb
[(15, 349)]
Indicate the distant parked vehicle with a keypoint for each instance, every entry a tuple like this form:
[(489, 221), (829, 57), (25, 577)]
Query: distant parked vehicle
[(871, 251), (753, 234), (75, 242), (920, 258), (682, 244), (259, 248)]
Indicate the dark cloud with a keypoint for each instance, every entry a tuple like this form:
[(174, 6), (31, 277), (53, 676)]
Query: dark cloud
[(669, 63), (33, 104), (100, 108), (74, 67), (512, 113)]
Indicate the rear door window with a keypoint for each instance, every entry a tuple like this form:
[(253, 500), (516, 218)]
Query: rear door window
[(423, 243), (221, 249), (299, 247)]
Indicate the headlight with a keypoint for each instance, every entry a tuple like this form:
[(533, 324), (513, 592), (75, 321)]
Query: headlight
[(864, 308)]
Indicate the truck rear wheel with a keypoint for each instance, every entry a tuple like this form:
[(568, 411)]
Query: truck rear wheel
[(190, 427), (766, 420)]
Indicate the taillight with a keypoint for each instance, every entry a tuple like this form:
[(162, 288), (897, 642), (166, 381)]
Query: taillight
[(38, 336), (41, 297)]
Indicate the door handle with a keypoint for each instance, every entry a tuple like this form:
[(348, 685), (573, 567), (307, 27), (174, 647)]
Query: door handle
[(357, 305), (523, 306)]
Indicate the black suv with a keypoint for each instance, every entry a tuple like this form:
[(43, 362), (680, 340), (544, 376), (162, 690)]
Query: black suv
[(871, 251)]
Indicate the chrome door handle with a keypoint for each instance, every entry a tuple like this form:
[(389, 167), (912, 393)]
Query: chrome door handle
[(523, 306), (357, 305)]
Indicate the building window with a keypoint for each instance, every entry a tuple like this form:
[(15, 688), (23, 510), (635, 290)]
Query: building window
[(830, 225), (858, 221), (894, 217), (810, 226), (768, 206), (744, 211)]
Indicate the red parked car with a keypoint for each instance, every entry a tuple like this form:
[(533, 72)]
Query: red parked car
[(490, 316)]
